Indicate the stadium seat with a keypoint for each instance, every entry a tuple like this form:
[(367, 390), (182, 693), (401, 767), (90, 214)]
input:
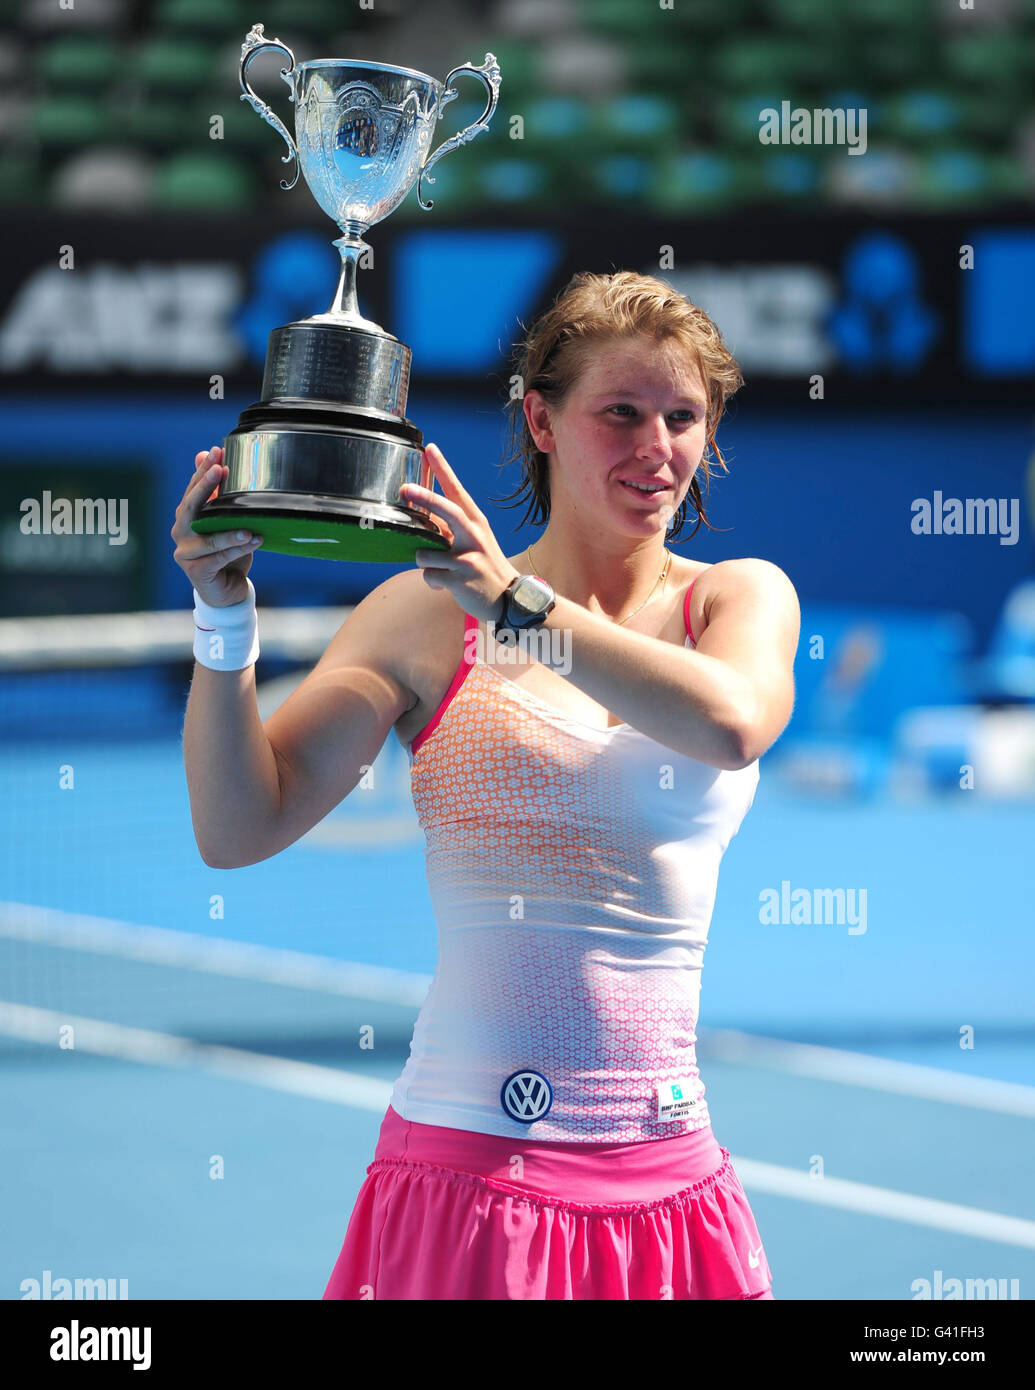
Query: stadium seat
[(773, 61), (1008, 671), (22, 182), (986, 61), (922, 116), (696, 181), (737, 116), (203, 182), (316, 19), (67, 121), (552, 121), (878, 663), (108, 179), (83, 62), (103, 16), (175, 64), (640, 121), (202, 17), (952, 176), (787, 175), (503, 182), (160, 125)]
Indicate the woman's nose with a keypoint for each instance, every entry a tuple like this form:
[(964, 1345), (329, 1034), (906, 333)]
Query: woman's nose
[(655, 438)]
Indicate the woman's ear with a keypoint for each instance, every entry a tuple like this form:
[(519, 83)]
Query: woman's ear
[(537, 416)]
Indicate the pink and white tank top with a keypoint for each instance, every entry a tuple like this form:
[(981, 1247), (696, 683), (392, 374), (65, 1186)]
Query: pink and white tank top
[(572, 872)]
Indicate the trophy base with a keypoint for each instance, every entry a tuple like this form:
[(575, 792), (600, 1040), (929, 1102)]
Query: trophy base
[(322, 527)]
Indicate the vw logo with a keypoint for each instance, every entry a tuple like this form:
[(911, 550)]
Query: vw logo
[(526, 1096)]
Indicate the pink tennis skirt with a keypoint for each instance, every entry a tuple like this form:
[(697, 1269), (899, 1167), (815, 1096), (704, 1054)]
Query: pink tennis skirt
[(452, 1214)]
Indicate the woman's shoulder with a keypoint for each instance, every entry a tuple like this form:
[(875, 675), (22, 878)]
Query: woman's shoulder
[(746, 580)]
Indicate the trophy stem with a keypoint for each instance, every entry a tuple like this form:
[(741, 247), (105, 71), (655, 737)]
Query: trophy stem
[(345, 301)]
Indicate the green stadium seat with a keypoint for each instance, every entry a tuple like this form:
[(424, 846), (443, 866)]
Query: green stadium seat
[(622, 178), (22, 183), (891, 15), (318, 19), (790, 174), (952, 177), (778, 61), (639, 120), (174, 64), (203, 182), (697, 181), (1008, 179), (922, 116), (895, 66), (619, 17), (986, 61), (993, 115), (812, 16), (227, 18), (455, 190), (159, 124), (83, 62), (65, 121), (522, 181), (242, 128), (736, 117), (519, 73), (551, 122)]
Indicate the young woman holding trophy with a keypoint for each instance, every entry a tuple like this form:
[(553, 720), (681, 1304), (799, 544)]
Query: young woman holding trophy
[(584, 722)]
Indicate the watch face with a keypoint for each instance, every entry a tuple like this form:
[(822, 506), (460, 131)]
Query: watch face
[(531, 595)]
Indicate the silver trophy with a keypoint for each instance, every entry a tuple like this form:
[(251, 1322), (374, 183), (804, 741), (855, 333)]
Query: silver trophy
[(316, 465)]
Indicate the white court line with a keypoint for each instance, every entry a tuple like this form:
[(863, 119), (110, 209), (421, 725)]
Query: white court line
[(364, 1093), (49, 926), (167, 1050), (883, 1201), (874, 1073), (242, 960)]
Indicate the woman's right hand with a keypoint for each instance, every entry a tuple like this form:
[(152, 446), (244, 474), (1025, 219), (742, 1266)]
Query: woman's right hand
[(217, 564)]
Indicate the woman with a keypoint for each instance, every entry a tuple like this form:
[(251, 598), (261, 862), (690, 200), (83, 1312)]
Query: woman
[(577, 781)]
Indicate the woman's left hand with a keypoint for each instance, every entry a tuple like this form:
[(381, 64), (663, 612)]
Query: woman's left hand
[(474, 569)]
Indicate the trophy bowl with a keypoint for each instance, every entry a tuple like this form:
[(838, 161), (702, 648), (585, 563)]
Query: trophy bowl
[(315, 466)]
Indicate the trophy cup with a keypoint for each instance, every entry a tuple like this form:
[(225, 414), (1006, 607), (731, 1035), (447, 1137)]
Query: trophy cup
[(316, 465)]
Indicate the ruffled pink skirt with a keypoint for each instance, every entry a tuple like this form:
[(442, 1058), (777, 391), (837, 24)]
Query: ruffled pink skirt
[(452, 1214)]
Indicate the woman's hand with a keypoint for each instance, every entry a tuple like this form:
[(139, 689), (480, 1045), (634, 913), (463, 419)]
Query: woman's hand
[(474, 569), (217, 564)]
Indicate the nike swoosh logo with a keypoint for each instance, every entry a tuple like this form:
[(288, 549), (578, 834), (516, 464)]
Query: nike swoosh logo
[(753, 1259)]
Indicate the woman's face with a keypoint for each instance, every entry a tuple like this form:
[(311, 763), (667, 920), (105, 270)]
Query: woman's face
[(637, 414)]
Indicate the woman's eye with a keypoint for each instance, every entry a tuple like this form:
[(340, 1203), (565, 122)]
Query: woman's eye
[(688, 416)]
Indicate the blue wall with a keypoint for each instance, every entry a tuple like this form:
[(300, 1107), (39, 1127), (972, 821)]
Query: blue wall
[(823, 493)]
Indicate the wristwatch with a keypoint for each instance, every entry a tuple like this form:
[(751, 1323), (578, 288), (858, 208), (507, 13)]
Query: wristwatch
[(524, 604)]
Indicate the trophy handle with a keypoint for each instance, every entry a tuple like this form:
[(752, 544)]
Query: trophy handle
[(489, 73), (255, 43)]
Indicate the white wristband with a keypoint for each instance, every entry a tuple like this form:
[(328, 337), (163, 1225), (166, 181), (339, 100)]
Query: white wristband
[(226, 639)]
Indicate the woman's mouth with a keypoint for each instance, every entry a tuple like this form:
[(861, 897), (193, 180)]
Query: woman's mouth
[(645, 489)]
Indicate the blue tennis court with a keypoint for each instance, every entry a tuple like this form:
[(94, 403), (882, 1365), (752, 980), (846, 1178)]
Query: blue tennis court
[(196, 1062)]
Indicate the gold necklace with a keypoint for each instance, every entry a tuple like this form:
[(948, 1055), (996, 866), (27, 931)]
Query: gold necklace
[(660, 580)]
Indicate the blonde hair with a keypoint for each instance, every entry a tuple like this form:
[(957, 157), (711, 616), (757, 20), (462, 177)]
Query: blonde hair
[(591, 311)]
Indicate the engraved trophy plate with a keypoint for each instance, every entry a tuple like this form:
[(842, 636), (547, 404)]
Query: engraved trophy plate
[(316, 465)]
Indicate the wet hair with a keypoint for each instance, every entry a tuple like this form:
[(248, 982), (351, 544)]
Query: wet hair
[(590, 312)]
